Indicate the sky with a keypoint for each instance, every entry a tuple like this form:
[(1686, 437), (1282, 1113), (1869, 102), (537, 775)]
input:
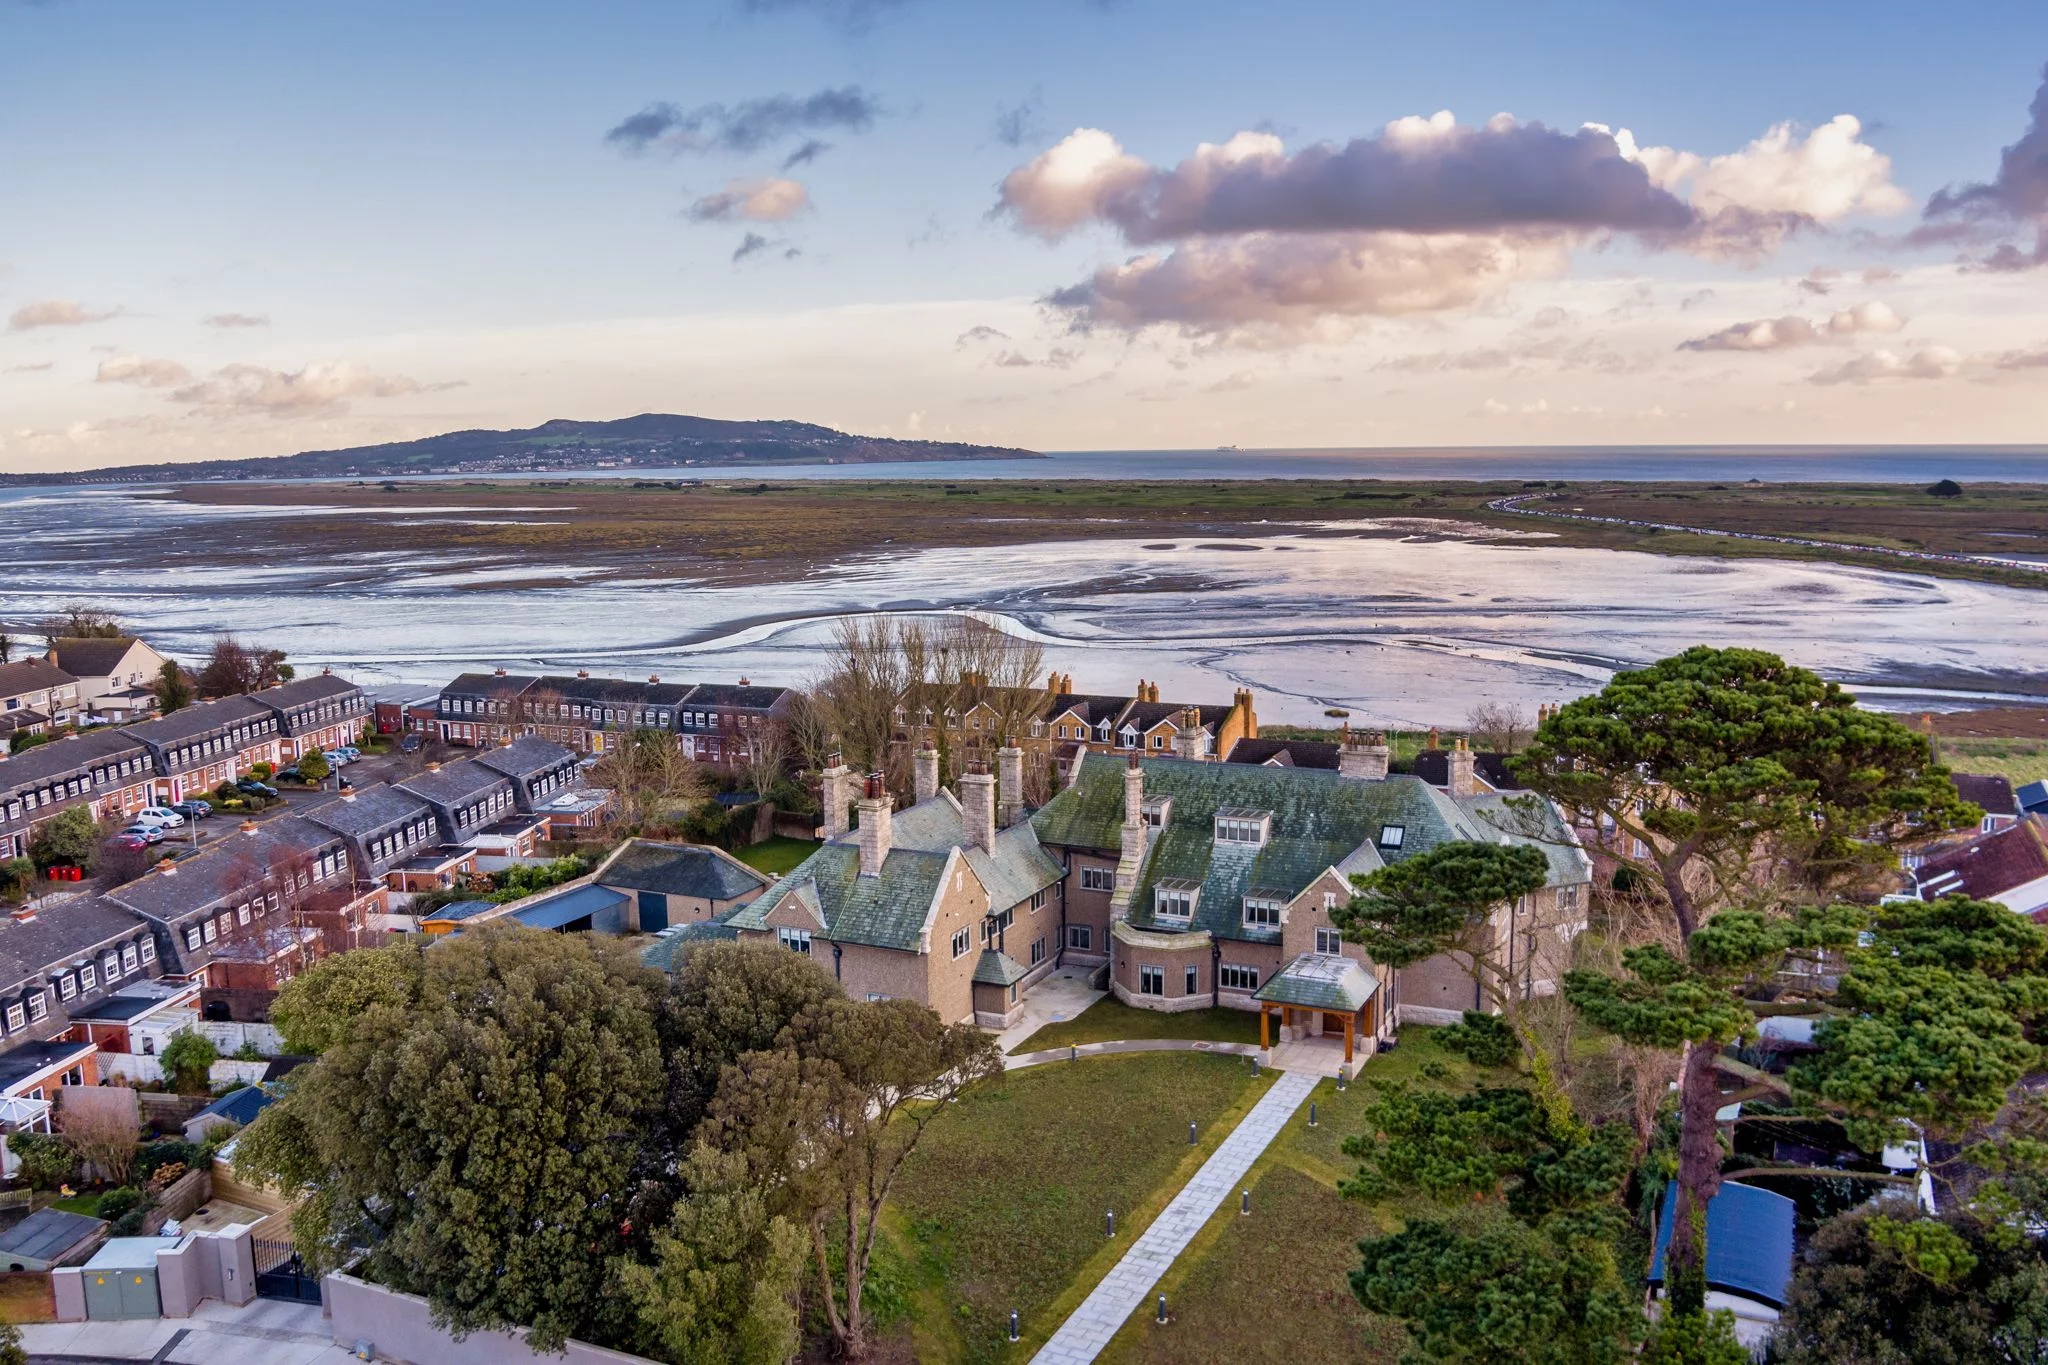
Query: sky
[(235, 229)]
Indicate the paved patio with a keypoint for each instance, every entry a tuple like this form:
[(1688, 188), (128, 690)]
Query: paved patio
[(1129, 1284), (262, 1333), (1058, 997)]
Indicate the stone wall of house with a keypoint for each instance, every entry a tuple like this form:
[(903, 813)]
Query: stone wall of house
[(1126, 976), (1090, 908)]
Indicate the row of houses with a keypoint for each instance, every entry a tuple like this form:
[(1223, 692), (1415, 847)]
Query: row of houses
[(115, 770), (718, 723), (216, 933)]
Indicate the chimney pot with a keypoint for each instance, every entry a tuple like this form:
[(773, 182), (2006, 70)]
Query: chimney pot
[(248, 827), (746, 681), (978, 806), (654, 677), (875, 810), (583, 673), (497, 672), (168, 867)]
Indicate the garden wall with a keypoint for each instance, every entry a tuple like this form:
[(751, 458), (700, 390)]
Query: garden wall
[(400, 1328)]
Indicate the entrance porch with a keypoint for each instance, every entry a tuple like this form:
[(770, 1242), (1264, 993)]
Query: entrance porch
[(1319, 995)]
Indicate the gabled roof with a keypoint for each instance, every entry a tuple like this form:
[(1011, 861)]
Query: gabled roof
[(998, 969), (299, 691), (1321, 981), (1013, 871), (488, 684), (525, 757), (454, 784), (94, 657), (1500, 816), (198, 719), (59, 933), (1091, 707), (1285, 753), (606, 691), (1988, 866), (744, 696), (33, 674), (1988, 791), (1749, 1241), (888, 911), (239, 1106), (368, 809), (680, 870), (1434, 767), (230, 865), (61, 757)]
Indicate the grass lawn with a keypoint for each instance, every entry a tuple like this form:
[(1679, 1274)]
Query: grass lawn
[(87, 1204), (777, 855), (2019, 761), (1002, 1206), (1109, 1019), (1272, 1286)]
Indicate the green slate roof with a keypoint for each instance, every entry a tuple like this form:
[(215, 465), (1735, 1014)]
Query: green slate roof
[(998, 969), (888, 911), (1014, 871), (1320, 981), (1528, 820), (661, 954), (680, 870), (1320, 820)]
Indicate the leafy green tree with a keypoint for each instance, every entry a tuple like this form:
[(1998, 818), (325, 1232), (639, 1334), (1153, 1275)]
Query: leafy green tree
[(187, 1058), (7, 646), (1729, 780), (172, 687), (722, 1285), (17, 876), (315, 1010), (827, 1119), (47, 1161), (1883, 1287), (730, 999), (70, 838), (1695, 1339), (314, 767), (11, 1350), (482, 1142), (21, 741)]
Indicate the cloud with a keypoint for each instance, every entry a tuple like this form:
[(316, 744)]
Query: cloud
[(1234, 382), (2016, 197), (323, 387), (747, 126), (752, 201), (1781, 334), (1819, 280), (31, 367), (1058, 358), (1022, 122), (980, 332), (754, 244), (1934, 362), (54, 313), (1425, 215), (149, 374), (233, 320), (2034, 359), (810, 151)]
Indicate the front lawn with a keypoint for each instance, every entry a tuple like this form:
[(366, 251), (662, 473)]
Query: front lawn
[(1002, 1205), (776, 856), (1110, 1019)]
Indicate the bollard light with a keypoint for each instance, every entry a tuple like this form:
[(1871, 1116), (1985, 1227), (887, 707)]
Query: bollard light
[(1109, 1223), (1342, 1072), (1162, 1310), (1311, 1113), (1014, 1335), (1255, 1066), (1074, 1053), (1246, 1207), (1191, 1132)]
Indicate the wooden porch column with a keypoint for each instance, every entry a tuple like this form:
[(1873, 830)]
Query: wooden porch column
[(1264, 1015), (1350, 1022)]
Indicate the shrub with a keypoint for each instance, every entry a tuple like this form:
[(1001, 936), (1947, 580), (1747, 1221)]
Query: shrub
[(1483, 1039), (1947, 488), (116, 1204), (17, 875), (186, 1060), (46, 1161), (163, 1177), (166, 1152), (262, 772), (314, 767)]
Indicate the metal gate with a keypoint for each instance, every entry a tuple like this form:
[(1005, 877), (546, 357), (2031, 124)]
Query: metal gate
[(281, 1275)]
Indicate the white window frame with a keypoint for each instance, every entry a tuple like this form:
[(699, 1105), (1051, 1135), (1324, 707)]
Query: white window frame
[(796, 940), (1393, 836), (1329, 942), (1152, 980), (962, 941), (1174, 902), (1262, 912), (1098, 879)]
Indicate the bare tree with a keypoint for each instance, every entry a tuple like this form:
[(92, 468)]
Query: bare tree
[(79, 621), (648, 776), (767, 758), (104, 1139), (1499, 727), (809, 732), (863, 682)]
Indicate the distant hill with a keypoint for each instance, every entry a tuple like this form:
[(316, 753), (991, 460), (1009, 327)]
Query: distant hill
[(652, 439)]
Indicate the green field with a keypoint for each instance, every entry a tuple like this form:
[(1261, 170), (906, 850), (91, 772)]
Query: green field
[(2018, 760), (1002, 1205), (776, 856)]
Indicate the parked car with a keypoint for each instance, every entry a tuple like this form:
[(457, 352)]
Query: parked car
[(289, 775), (349, 753), (250, 784), (149, 834), (411, 744), (194, 809), (126, 840), (159, 815)]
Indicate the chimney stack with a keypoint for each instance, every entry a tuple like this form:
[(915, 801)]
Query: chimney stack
[(875, 808), (1432, 737), (583, 673), (924, 769), (978, 806), (497, 672), (838, 796), (1365, 757), (654, 677), (1464, 782), (1191, 737), (168, 866), (1010, 784), (248, 827), (1134, 794)]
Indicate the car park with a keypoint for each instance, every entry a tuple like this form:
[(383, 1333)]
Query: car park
[(193, 809), (151, 834), (250, 784), (159, 815), (132, 841), (349, 753)]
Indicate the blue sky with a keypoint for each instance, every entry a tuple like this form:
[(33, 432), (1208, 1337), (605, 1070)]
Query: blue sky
[(421, 203)]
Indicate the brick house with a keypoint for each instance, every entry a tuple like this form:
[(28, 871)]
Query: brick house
[(317, 713), (62, 962), (715, 722), (36, 695), (116, 677), (198, 748), (721, 722), (481, 708), (107, 771)]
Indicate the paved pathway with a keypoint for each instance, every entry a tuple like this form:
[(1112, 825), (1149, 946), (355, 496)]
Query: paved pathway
[(1082, 1337), (1017, 1061), (1058, 997), (262, 1333)]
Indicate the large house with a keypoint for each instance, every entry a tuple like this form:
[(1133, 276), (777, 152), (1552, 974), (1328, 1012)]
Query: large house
[(35, 694), (714, 722), (116, 675)]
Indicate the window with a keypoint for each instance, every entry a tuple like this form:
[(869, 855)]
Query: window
[(148, 950), (1232, 977), (992, 925), (242, 914), (1192, 980), (110, 967), (1159, 741), (1392, 835), (962, 941), (1261, 912), (210, 930), (1151, 980), (38, 1006), (796, 940), (192, 938), (17, 1017), (1329, 941), (1241, 827), (1038, 900), (1173, 902), (87, 977), (67, 986), (1329, 900), (1568, 897), (1098, 879), (1080, 936), (1037, 951)]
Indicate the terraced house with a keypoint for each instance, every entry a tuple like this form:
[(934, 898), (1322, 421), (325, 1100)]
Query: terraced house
[(715, 722), (105, 770)]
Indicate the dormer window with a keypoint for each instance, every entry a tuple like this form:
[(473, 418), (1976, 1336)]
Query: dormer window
[(1262, 911), (1175, 899), (1391, 836), (1128, 737), (1238, 826), (1103, 730), (1157, 811)]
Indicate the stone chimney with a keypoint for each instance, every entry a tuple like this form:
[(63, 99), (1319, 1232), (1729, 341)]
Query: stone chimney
[(1464, 782), (924, 772), (978, 806), (1133, 841), (1009, 784), (1191, 738), (875, 809), (1433, 743), (248, 827), (1362, 756), (838, 787)]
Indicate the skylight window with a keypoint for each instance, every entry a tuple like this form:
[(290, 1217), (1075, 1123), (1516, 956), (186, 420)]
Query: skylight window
[(1391, 836)]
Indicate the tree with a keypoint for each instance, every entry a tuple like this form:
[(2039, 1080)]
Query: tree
[(1728, 778), (21, 741), (767, 759), (70, 838), (17, 876), (172, 687), (827, 1119), (1946, 488), (11, 1351), (863, 681), (1499, 727), (79, 621), (6, 646), (104, 1139), (187, 1059), (314, 767), (230, 669), (648, 775), (1888, 1285), (480, 1137), (47, 1161), (725, 1270)]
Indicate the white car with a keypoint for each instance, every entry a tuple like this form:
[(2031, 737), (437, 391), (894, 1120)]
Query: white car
[(159, 817)]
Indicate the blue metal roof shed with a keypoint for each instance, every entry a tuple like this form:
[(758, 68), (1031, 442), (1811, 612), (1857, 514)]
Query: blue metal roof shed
[(585, 907), (1749, 1242)]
